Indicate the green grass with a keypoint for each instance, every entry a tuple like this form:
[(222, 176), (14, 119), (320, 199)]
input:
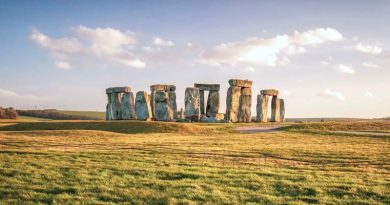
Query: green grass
[(91, 114), (130, 162)]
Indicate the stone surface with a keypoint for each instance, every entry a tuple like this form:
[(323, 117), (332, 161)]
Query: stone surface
[(220, 116), (209, 87), (270, 92), (262, 108), (181, 114), (282, 110), (201, 101), (192, 104), (212, 103), (118, 90), (116, 102), (240, 83), (162, 87), (233, 103), (162, 106), (142, 106), (127, 107), (172, 105), (275, 109), (244, 114)]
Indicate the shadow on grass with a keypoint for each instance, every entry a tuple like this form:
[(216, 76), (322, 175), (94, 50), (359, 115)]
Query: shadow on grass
[(123, 126)]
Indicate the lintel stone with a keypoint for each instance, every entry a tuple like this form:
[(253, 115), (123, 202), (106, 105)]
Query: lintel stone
[(162, 87), (118, 90), (210, 87), (240, 83), (269, 92)]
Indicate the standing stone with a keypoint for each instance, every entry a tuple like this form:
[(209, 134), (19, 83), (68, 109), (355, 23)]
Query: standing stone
[(181, 114), (212, 104), (109, 108), (275, 109), (244, 114), (201, 96), (233, 103), (282, 110), (117, 108), (153, 103), (192, 104), (142, 106), (262, 108), (162, 106), (173, 105), (128, 108)]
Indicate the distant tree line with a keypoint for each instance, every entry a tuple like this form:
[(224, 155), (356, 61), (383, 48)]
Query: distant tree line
[(8, 113), (52, 114)]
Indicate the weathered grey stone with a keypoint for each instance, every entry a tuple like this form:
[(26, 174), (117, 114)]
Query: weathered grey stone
[(201, 101), (116, 104), (244, 114), (128, 108), (282, 110), (262, 108), (209, 87), (142, 106), (275, 109), (192, 104), (162, 106), (109, 108), (233, 103), (240, 83), (118, 90), (212, 103), (181, 114), (162, 87), (172, 105), (269, 92)]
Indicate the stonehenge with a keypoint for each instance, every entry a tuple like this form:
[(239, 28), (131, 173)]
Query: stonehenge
[(160, 104), (239, 101), (163, 102), (277, 106), (212, 106), (120, 104)]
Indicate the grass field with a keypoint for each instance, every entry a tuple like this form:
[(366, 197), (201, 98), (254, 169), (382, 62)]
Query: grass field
[(130, 162), (91, 114)]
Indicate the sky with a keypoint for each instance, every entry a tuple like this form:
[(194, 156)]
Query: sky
[(326, 58)]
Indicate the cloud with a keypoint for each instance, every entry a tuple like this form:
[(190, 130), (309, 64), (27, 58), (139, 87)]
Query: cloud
[(286, 93), (327, 93), (270, 52), (162, 43), (62, 65), (370, 65), (365, 48), (250, 69), (368, 94), (324, 62), (345, 69), (107, 44), (189, 44), (7, 93)]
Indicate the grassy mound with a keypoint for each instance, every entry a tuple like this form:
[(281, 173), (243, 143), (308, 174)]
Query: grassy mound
[(125, 126)]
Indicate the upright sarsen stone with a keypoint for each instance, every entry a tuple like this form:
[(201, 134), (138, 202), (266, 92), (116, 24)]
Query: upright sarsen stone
[(282, 110), (201, 102), (244, 114), (162, 106), (262, 108), (275, 109), (233, 103), (142, 106), (172, 105), (212, 104), (128, 108), (171, 100), (192, 104)]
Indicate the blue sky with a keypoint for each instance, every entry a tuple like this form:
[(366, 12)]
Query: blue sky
[(327, 58)]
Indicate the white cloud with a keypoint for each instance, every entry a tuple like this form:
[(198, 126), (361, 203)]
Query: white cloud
[(327, 93), (270, 52), (368, 94), (365, 48), (162, 43), (286, 93), (250, 69), (107, 44), (4, 92), (345, 69), (62, 65), (189, 44), (324, 62), (370, 65)]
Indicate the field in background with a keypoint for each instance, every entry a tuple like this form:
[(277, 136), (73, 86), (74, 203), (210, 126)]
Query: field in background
[(91, 114), (101, 162)]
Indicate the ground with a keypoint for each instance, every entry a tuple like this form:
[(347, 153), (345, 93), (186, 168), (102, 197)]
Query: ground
[(130, 162)]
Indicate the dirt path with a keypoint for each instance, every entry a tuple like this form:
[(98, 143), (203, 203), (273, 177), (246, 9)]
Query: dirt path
[(265, 128)]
